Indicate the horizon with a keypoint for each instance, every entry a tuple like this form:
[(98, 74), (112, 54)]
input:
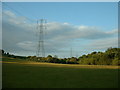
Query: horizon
[(5, 52)]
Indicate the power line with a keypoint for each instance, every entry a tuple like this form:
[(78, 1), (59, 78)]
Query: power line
[(18, 12)]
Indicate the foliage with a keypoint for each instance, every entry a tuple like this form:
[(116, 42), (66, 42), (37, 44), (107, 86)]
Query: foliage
[(110, 57)]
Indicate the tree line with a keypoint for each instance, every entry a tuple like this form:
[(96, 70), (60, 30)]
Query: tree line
[(110, 57), (7, 54)]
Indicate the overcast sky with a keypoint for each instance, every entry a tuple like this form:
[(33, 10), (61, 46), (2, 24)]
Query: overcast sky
[(84, 27)]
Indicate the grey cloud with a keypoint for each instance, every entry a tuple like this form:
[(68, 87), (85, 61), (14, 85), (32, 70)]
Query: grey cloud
[(19, 35), (12, 34), (62, 31), (103, 44)]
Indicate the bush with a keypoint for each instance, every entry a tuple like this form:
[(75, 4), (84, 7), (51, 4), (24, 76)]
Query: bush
[(116, 62)]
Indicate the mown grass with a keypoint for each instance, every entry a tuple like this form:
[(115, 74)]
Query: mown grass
[(17, 75)]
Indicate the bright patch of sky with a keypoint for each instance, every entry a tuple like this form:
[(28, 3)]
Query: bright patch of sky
[(82, 26), (101, 14)]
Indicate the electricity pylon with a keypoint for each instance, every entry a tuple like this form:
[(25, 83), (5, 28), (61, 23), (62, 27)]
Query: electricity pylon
[(41, 26)]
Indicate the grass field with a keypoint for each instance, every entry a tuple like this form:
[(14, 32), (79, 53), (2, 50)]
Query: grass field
[(47, 75)]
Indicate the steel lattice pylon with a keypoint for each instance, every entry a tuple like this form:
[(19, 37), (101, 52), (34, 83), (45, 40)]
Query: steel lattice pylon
[(41, 26)]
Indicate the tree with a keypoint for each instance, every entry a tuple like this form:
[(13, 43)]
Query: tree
[(116, 62), (94, 53), (63, 61), (49, 58), (73, 60)]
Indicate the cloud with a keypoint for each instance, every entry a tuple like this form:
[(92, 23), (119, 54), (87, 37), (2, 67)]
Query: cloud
[(27, 45), (103, 44), (18, 21), (20, 35), (60, 31)]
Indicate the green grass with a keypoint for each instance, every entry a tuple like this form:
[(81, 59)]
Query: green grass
[(37, 76), (12, 59)]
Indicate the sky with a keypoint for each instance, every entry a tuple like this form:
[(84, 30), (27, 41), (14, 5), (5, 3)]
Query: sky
[(83, 27)]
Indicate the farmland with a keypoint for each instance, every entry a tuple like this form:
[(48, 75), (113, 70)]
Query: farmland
[(28, 74)]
